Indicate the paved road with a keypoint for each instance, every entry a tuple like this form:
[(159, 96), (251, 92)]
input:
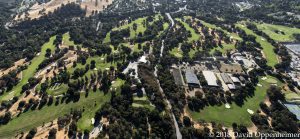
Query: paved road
[(96, 131), (171, 19)]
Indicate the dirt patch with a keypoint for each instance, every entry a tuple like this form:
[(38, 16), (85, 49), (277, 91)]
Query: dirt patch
[(38, 10), (16, 65), (14, 108), (43, 131)]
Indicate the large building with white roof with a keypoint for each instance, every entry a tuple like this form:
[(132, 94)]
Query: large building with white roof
[(210, 78)]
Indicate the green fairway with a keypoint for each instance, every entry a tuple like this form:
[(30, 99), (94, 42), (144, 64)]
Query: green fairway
[(233, 35), (195, 36), (212, 26), (275, 32), (224, 49), (268, 49), (30, 71), (141, 28), (57, 90), (134, 47), (101, 64), (237, 114), (35, 118), (177, 52), (90, 110), (192, 52), (66, 39)]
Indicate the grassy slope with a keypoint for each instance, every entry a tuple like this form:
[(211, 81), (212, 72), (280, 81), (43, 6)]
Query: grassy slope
[(224, 49), (195, 36), (267, 47), (270, 29), (140, 28), (66, 40), (31, 119), (30, 71), (233, 35), (90, 110), (236, 113)]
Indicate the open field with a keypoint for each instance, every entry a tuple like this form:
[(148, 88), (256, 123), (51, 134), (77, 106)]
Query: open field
[(35, 118), (275, 32), (233, 35), (268, 49), (66, 40), (177, 52), (212, 26), (57, 90), (224, 49), (195, 36), (101, 64), (38, 10), (236, 114), (30, 71), (85, 121), (141, 28)]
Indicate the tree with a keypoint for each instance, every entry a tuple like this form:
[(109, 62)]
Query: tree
[(134, 26), (48, 53), (186, 121), (52, 133), (93, 64)]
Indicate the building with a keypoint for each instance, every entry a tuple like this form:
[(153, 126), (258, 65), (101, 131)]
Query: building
[(210, 78), (231, 68), (191, 78), (226, 78), (231, 86), (143, 59), (235, 80), (178, 77)]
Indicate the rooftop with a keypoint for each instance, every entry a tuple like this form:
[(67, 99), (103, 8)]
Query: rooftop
[(191, 77), (178, 77), (210, 78)]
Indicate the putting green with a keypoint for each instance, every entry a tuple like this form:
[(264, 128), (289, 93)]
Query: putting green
[(271, 81)]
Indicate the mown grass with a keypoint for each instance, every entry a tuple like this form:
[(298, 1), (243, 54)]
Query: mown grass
[(268, 49), (66, 40), (270, 30), (35, 118), (194, 36), (57, 90), (177, 52), (236, 114), (84, 123), (224, 49), (30, 71), (141, 27)]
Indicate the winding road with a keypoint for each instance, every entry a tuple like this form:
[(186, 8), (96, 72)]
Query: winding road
[(178, 133)]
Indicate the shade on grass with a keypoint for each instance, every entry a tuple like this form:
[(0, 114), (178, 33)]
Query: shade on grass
[(195, 36), (140, 27), (235, 114), (271, 30), (57, 90), (66, 40), (35, 118), (30, 71), (176, 52), (268, 49), (224, 49), (212, 26), (84, 122)]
